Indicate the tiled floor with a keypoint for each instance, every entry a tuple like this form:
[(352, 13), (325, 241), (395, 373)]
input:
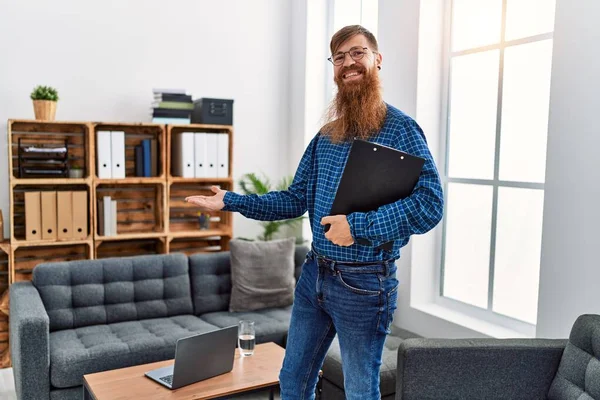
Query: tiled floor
[(7, 389)]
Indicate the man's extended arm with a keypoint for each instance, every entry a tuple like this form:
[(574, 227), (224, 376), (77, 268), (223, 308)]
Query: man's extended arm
[(277, 205)]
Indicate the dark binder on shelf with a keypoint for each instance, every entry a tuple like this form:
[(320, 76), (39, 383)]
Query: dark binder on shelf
[(153, 158), (139, 160), (375, 175), (146, 157)]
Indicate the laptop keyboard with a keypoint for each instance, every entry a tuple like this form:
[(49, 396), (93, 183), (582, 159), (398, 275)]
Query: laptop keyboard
[(168, 379)]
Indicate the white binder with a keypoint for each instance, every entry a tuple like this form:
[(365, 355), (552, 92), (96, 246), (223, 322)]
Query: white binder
[(211, 155), (117, 154), (200, 154), (183, 154), (223, 155), (113, 217), (103, 148), (107, 214)]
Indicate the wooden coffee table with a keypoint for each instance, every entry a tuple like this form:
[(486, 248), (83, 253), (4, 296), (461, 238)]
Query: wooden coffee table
[(258, 371)]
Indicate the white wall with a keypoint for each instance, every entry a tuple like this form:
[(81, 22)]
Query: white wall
[(398, 39), (570, 273), (104, 57)]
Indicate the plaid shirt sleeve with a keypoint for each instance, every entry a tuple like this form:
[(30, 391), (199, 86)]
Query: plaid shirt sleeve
[(415, 214), (276, 205)]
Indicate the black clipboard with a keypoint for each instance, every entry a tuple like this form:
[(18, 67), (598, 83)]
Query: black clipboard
[(375, 175)]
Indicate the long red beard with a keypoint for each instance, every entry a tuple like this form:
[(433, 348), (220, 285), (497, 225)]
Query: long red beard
[(357, 110)]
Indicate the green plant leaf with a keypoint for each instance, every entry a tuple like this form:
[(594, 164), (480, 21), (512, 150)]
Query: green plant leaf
[(270, 229), (251, 184), (44, 93)]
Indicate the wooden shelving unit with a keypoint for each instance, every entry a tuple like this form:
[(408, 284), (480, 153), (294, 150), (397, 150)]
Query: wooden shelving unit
[(152, 217), (148, 207), (5, 280), (183, 234), (130, 246)]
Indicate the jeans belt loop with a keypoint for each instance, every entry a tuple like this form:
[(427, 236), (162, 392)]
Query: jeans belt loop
[(387, 268)]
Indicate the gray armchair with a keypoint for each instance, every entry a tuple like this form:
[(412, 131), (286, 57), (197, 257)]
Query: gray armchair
[(527, 369), (29, 340)]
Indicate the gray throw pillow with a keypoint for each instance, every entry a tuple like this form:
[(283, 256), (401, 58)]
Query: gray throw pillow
[(262, 274)]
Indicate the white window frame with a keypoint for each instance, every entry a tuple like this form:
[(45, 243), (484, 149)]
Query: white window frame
[(487, 315)]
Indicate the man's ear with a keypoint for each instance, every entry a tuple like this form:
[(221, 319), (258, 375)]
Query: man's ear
[(378, 60)]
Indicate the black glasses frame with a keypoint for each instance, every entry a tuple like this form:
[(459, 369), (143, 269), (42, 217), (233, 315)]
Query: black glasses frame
[(330, 59)]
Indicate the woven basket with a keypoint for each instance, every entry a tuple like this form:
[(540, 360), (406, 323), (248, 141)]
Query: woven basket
[(45, 110)]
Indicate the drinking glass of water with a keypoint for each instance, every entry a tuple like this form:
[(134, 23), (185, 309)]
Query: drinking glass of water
[(246, 338)]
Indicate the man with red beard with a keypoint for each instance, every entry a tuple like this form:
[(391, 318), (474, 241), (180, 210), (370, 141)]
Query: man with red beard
[(345, 288)]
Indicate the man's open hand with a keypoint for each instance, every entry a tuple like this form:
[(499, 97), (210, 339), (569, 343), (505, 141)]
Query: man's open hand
[(339, 232), (209, 203)]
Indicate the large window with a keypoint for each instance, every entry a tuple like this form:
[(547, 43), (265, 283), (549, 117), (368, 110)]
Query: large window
[(499, 88)]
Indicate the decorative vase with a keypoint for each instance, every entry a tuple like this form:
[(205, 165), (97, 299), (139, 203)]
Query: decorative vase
[(76, 173), (45, 110)]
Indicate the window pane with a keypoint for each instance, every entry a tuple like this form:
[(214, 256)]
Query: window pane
[(518, 249), (475, 23), (529, 17), (473, 110), (467, 248), (346, 12), (370, 15), (525, 106)]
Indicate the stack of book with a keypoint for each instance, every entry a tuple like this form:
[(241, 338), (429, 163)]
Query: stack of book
[(172, 106)]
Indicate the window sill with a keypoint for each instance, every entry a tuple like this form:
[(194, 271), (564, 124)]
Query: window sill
[(469, 322)]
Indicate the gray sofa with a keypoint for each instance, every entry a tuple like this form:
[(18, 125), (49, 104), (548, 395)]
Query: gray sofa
[(82, 317), (474, 369), (499, 369)]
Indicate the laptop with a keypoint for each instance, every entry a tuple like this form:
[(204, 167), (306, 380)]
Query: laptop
[(199, 357)]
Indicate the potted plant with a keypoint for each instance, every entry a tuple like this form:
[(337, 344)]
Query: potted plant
[(252, 184), (75, 171), (44, 102)]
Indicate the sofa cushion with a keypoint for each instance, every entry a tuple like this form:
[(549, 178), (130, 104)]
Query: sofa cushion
[(578, 375), (262, 274), (271, 324), (74, 393), (90, 292), (332, 366), (210, 275), (76, 352)]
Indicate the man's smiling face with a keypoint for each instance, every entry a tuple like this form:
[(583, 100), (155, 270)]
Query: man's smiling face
[(350, 70)]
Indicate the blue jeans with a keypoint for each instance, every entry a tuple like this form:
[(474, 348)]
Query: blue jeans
[(356, 302)]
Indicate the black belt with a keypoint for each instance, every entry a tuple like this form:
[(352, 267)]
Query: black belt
[(313, 253)]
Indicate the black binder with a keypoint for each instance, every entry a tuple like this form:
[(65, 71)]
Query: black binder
[(375, 175)]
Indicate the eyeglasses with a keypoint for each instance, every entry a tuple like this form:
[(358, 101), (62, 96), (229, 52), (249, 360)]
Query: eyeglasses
[(356, 53)]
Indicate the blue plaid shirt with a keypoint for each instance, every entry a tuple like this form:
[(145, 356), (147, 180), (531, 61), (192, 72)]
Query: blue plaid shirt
[(316, 181)]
